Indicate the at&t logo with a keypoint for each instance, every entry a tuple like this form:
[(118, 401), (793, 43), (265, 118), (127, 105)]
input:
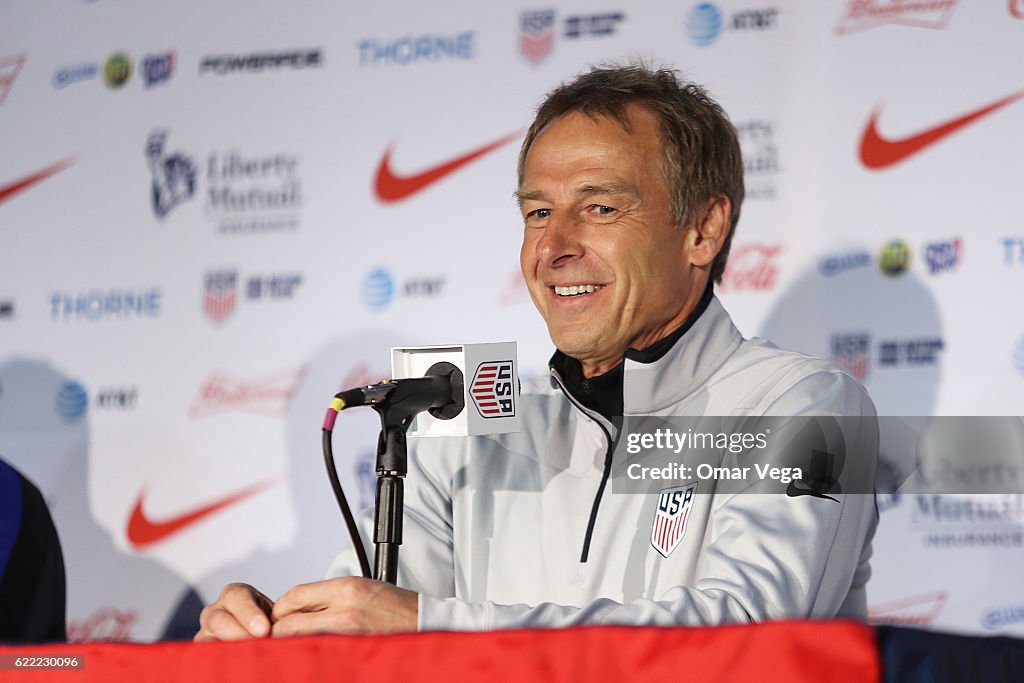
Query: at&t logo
[(380, 288), (72, 401)]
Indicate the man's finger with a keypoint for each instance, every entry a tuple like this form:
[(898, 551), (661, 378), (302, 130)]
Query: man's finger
[(306, 597), (249, 607), (218, 624), (309, 623)]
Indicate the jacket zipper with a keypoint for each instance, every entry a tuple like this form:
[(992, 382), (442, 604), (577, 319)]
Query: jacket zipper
[(600, 420)]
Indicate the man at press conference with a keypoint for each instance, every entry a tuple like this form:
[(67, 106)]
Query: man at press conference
[(630, 187)]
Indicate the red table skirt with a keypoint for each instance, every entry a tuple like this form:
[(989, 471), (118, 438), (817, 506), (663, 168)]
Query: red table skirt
[(783, 652)]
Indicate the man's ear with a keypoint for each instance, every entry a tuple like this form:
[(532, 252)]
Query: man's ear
[(709, 231)]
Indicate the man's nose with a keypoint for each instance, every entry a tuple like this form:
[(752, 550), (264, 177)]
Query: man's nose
[(561, 241)]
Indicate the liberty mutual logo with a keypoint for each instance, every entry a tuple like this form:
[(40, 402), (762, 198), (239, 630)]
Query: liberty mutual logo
[(174, 175)]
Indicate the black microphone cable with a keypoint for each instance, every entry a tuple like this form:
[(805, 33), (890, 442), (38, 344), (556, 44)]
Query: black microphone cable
[(337, 405)]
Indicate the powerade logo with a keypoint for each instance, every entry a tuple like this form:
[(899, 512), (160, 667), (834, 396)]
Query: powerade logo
[(704, 24), (117, 70), (379, 288), (999, 617), (72, 401), (895, 258), (840, 263), (259, 62)]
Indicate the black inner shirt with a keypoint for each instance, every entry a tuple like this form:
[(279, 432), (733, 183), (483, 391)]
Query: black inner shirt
[(603, 393)]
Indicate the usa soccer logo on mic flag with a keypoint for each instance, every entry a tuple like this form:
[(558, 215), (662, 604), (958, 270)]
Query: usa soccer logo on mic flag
[(671, 517), (492, 389)]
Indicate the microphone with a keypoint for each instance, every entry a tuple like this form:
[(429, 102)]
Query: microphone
[(434, 388), (440, 390)]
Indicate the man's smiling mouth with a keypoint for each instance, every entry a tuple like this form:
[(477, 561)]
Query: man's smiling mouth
[(576, 290)]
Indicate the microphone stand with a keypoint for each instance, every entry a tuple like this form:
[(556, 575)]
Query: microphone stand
[(396, 414)]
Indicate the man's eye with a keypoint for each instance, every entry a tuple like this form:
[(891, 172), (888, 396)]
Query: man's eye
[(604, 210), (539, 213)]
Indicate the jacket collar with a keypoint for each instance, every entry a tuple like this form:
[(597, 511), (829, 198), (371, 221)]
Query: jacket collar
[(665, 372)]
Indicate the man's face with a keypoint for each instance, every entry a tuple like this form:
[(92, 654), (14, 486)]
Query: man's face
[(605, 266)]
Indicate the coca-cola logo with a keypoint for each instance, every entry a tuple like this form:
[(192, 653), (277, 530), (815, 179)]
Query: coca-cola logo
[(1017, 9), (105, 624), (268, 396), (752, 266)]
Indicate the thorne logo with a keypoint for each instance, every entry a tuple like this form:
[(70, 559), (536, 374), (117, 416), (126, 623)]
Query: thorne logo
[(1018, 356), (492, 390), (916, 610), (1013, 251), (268, 396), (852, 351), (415, 49), (943, 256), (244, 193), (752, 267), (760, 157), (112, 304), (259, 62), (861, 15)]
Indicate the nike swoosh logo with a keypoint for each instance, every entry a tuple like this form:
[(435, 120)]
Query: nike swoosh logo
[(794, 491), (143, 531), (10, 189), (878, 152), (391, 187)]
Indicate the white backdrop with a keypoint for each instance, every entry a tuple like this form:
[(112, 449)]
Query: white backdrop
[(210, 223)]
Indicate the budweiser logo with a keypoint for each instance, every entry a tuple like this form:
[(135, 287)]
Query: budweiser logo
[(268, 396), (752, 267), (918, 610), (106, 623), (362, 376), (861, 15)]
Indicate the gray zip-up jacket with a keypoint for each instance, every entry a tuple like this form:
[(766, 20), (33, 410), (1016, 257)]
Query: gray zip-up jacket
[(494, 526)]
